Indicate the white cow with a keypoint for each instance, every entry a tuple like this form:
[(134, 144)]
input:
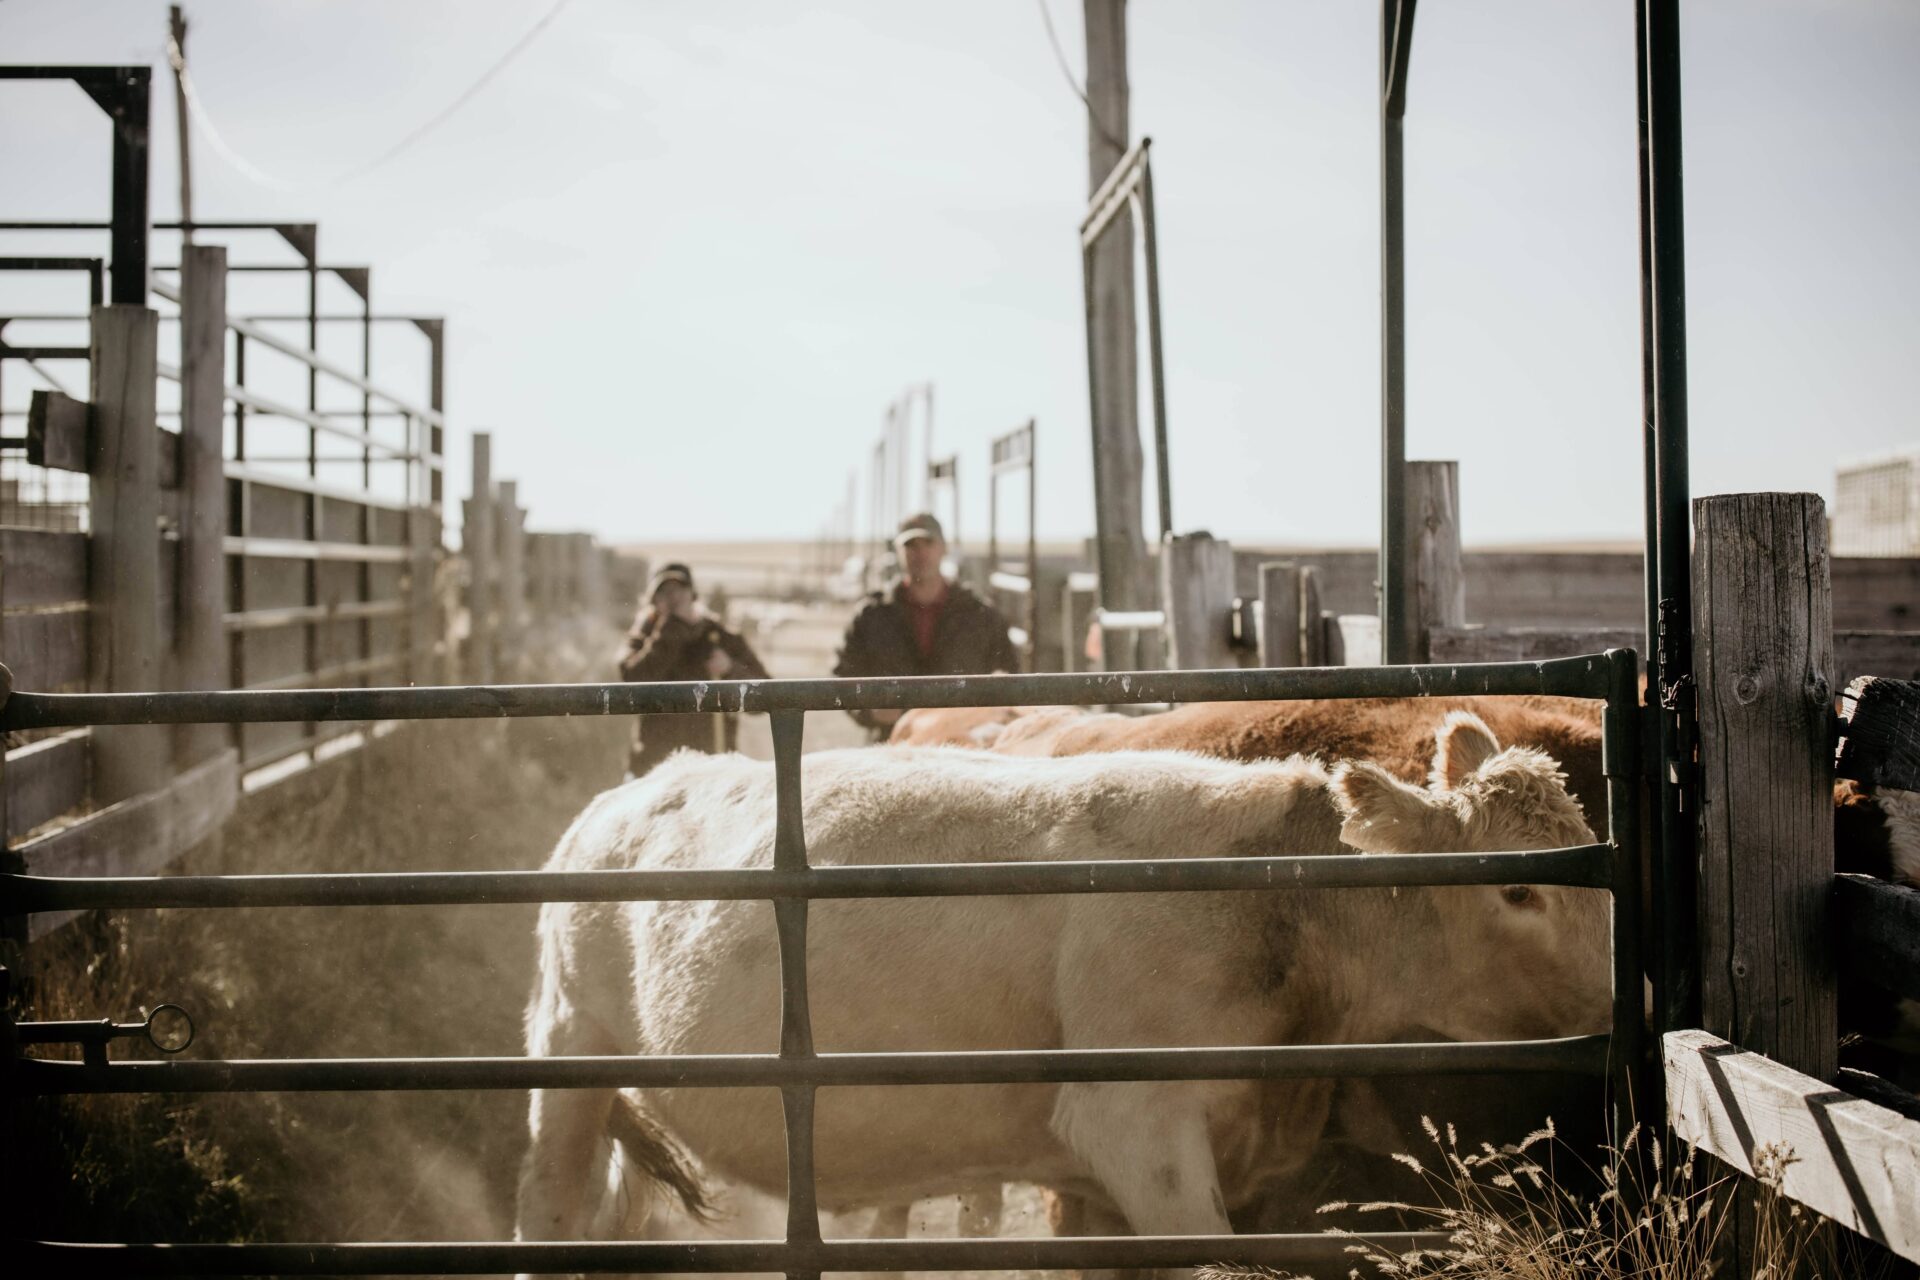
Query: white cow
[(1067, 971)]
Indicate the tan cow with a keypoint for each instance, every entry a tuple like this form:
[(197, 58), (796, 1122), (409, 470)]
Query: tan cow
[(1051, 971)]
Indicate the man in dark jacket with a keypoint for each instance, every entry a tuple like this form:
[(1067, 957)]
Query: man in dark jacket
[(673, 638), (926, 625)]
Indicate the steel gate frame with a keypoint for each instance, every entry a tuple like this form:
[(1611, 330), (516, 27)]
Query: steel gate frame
[(791, 883), (1012, 453)]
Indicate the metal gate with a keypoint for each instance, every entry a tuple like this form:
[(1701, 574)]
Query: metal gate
[(791, 883)]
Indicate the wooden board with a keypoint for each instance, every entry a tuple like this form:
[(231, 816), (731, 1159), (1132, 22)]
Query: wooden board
[(57, 427), (46, 779), (1876, 932), (1880, 733), (1528, 644), (45, 649), (43, 567), (140, 836), (1854, 1161)]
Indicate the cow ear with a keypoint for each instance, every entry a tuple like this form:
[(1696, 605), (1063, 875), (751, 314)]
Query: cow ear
[(1462, 744), (1385, 815)]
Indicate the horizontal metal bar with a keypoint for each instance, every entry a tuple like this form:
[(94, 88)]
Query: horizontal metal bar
[(1589, 865), (1014, 582), (338, 671), (266, 338), (259, 404), (245, 474), (45, 353), (1316, 1250), (347, 611), (299, 549), (1579, 677), (51, 264), (1572, 1055)]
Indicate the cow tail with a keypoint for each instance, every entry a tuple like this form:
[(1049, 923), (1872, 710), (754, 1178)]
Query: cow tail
[(659, 1156)]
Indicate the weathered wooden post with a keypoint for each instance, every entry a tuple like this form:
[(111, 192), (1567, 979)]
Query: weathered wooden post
[(510, 528), (1196, 588), (477, 542), (123, 549), (1436, 583), (199, 631), (1763, 655), (424, 629), (1280, 616), (1313, 623)]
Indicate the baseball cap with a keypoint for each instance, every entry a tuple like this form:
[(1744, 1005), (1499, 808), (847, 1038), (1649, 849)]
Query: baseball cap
[(921, 526), (673, 571)]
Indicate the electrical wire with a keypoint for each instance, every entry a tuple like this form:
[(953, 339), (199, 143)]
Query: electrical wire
[(1060, 57), (177, 60)]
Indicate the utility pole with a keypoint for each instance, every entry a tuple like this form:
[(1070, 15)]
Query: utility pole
[(1112, 356), (177, 57)]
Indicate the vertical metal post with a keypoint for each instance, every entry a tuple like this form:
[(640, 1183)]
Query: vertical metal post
[(127, 101), (239, 408), (927, 435), (177, 32), (1620, 741), (1155, 363), (796, 1021), (1396, 42), (1677, 993), (1033, 550)]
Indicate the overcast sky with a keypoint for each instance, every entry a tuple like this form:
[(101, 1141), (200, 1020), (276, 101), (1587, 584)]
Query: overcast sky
[(689, 251)]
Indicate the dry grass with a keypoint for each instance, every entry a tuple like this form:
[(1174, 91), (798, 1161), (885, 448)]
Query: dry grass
[(1659, 1216)]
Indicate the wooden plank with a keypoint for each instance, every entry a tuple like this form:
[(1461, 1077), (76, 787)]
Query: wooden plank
[(57, 427), (1852, 1160), (44, 567), (1528, 644), (510, 540), (1196, 584), (1436, 582), (1279, 614), (1876, 593), (139, 836), (477, 545), (46, 779), (1876, 932), (200, 653), (1895, 654), (123, 654), (46, 649), (1359, 640), (1880, 733), (1763, 647), (1313, 626)]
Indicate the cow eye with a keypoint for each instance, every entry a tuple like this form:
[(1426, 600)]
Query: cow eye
[(1518, 894)]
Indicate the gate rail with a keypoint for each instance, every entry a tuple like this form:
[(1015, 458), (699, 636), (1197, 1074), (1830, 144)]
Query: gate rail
[(797, 1070)]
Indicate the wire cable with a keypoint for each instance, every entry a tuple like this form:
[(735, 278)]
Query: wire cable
[(176, 59), (1060, 57)]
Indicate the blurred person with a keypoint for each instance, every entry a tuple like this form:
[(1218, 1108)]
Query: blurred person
[(924, 625), (673, 639)]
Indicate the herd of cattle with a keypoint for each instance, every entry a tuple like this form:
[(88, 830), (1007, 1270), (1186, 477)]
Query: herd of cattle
[(1094, 971)]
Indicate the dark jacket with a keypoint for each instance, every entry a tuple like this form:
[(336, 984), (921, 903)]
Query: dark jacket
[(969, 638), (672, 649)]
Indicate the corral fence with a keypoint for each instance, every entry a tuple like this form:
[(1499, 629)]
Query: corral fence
[(791, 883), (197, 493)]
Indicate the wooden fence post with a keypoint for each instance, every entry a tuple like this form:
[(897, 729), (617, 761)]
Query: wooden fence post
[(1436, 582), (425, 626), (477, 542), (200, 658), (1763, 656), (123, 550), (1313, 626), (509, 523), (1280, 615), (1196, 588)]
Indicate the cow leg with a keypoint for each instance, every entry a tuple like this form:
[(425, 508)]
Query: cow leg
[(563, 1176), (889, 1223), (1147, 1144)]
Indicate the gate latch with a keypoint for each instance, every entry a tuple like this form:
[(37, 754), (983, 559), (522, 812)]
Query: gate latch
[(167, 1028)]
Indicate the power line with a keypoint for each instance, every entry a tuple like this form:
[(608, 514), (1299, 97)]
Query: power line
[(1060, 57), (255, 174)]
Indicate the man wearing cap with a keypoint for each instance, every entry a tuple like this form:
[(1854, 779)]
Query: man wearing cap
[(673, 638), (925, 625)]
